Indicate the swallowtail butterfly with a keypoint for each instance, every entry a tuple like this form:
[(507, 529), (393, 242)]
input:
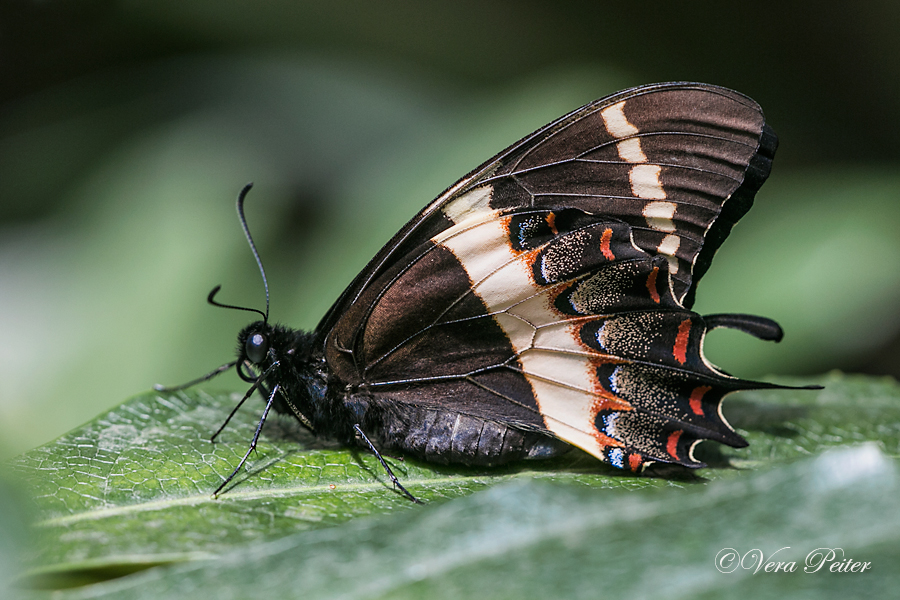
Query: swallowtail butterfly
[(543, 301)]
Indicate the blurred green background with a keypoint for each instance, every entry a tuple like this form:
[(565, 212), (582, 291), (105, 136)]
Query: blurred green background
[(127, 128)]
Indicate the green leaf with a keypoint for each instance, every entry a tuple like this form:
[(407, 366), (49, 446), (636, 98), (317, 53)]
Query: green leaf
[(132, 489), (529, 539), (13, 533)]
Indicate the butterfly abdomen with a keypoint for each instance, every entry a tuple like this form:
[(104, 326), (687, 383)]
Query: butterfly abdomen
[(447, 437)]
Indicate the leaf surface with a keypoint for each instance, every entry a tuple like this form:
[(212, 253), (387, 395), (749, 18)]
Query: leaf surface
[(132, 489)]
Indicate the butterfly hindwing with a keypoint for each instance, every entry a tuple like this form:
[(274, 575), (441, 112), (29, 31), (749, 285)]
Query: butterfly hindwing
[(546, 292)]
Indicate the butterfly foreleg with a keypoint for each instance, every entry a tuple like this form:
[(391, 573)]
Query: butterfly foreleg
[(252, 443)]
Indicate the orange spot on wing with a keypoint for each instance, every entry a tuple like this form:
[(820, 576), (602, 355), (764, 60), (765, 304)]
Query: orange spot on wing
[(551, 222), (672, 443), (604, 440), (681, 341), (635, 461), (604, 244), (606, 401), (651, 285), (696, 396)]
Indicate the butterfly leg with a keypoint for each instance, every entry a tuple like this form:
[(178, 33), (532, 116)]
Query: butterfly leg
[(253, 443), (384, 464), (193, 382), (257, 384), (266, 394), (234, 410)]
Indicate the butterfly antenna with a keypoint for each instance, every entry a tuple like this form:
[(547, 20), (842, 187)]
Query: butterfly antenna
[(212, 300), (262, 271)]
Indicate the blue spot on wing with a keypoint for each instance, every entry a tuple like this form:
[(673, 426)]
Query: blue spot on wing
[(617, 458)]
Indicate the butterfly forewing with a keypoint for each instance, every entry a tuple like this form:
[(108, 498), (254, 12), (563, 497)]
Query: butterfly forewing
[(547, 290)]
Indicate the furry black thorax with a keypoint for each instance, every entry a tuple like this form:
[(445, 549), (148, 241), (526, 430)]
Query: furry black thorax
[(307, 388)]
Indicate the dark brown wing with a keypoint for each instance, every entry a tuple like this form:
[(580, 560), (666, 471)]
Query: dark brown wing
[(547, 289)]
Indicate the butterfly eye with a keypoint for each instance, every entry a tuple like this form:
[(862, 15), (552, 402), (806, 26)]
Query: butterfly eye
[(256, 348)]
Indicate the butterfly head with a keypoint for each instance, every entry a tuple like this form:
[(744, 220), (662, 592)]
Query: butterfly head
[(261, 344)]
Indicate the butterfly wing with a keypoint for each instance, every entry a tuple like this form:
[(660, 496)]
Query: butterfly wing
[(549, 289)]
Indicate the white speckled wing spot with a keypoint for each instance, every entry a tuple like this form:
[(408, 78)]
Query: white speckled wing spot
[(645, 182), (562, 256)]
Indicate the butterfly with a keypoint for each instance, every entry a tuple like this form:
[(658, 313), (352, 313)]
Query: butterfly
[(541, 302)]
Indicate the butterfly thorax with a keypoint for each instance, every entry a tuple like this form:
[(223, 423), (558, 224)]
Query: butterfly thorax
[(306, 389)]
